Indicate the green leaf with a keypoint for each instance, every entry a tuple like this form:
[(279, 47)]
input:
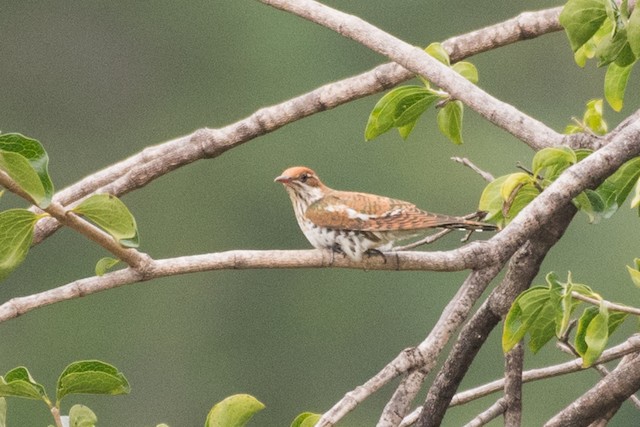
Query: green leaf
[(306, 419), (406, 130), (591, 204), (411, 106), (614, 47), (615, 189), (16, 235), (499, 211), (633, 32), (450, 121), (234, 411), (26, 162), (466, 70), (109, 213), (615, 84), (91, 377), (390, 108), (437, 51), (581, 19), (554, 160), (635, 275), (82, 416), (513, 183), (105, 264), (533, 312), (593, 330), (3, 412), (593, 117), (19, 383)]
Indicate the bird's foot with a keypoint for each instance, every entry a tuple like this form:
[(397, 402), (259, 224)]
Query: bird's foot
[(375, 252)]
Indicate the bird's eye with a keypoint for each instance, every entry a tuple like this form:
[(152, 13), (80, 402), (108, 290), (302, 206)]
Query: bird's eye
[(303, 178)]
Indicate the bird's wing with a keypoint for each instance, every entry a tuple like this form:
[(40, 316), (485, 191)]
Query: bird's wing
[(367, 212)]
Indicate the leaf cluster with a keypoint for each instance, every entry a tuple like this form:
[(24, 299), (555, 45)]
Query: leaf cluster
[(82, 377), (608, 31), (544, 312), (401, 107), (25, 161), (507, 195)]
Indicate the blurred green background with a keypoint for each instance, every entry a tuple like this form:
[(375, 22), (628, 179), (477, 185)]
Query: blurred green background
[(96, 82)]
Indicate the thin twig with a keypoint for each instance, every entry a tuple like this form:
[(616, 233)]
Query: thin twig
[(491, 413), (468, 163), (610, 305), (631, 345)]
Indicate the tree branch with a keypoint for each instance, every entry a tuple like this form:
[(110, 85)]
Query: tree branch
[(514, 360), (631, 345), (491, 413), (533, 132)]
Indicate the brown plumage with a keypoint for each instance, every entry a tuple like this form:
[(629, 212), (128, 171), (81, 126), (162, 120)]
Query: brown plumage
[(354, 223)]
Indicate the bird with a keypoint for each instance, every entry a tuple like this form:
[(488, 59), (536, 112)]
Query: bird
[(355, 223)]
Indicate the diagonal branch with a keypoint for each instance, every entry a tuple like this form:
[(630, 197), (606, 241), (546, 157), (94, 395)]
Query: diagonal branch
[(533, 132)]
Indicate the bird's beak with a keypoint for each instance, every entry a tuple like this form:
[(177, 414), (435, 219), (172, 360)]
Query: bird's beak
[(283, 179)]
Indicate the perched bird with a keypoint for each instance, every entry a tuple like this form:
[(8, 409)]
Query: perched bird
[(355, 223)]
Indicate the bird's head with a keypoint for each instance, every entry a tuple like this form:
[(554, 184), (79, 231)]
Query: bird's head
[(303, 183)]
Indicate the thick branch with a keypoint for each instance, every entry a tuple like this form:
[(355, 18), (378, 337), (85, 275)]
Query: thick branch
[(238, 260), (534, 133)]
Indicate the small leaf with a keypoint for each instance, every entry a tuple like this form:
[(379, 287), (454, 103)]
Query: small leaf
[(437, 51), (615, 84), (19, 383), (26, 162), (411, 106), (306, 419), (514, 181), (389, 108), (581, 19), (82, 416), (635, 275), (596, 337), (234, 411), (554, 160), (406, 130), (614, 48), (593, 117), (16, 235), (450, 121), (110, 214), (591, 204), (91, 377), (615, 189), (105, 264), (492, 202), (633, 31), (466, 70)]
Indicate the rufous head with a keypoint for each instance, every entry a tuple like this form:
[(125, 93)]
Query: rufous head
[(299, 176)]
